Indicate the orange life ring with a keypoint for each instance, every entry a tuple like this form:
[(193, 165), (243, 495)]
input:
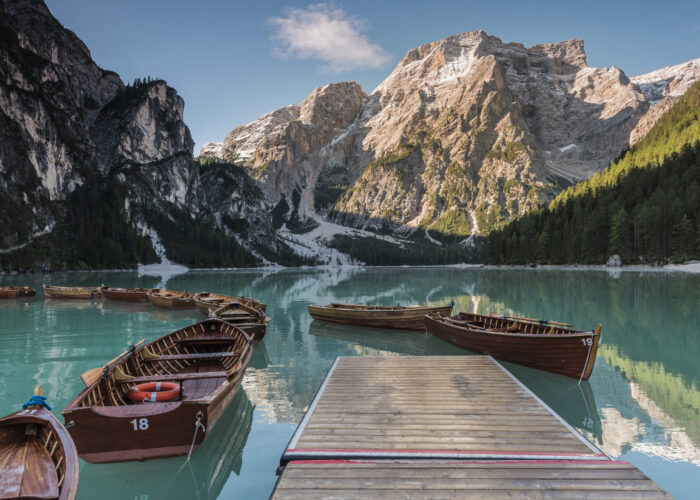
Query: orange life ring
[(153, 392)]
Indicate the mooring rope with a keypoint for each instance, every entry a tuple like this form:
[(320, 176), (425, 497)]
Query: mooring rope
[(198, 423)]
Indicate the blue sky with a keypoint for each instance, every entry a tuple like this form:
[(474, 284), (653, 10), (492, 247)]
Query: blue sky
[(233, 61)]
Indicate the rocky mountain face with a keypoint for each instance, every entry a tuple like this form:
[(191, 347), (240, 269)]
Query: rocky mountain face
[(72, 135), (464, 134)]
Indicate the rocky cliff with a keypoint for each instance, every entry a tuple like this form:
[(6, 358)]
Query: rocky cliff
[(91, 169), (464, 134)]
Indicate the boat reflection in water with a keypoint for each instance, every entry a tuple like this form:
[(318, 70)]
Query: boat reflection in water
[(572, 401), (69, 304), (161, 314), (121, 306), (202, 478), (260, 359), (396, 341)]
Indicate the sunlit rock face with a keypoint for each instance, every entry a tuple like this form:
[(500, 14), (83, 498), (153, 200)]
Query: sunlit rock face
[(465, 133)]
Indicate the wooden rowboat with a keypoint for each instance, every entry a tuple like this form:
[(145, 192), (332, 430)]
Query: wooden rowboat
[(404, 317), (71, 292), (252, 320), (127, 294), (16, 292), (206, 361), (208, 302), (549, 346), (170, 299), (37, 456)]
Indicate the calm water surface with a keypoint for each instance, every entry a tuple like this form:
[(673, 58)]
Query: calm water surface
[(642, 403)]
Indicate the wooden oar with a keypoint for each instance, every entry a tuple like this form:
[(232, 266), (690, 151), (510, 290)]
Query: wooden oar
[(92, 375), (536, 321)]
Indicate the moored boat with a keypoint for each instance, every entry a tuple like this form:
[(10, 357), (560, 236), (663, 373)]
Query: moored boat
[(124, 415), (403, 317), (16, 292), (71, 292), (127, 294), (170, 299), (37, 456), (208, 302), (252, 320), (549, 346)]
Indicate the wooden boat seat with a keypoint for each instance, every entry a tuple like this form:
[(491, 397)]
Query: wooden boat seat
[(207, 339), (27, 471), (196, 355), (176, 377)]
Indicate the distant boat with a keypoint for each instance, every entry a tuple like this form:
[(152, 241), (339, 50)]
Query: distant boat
[(252, 320), (403, 317), (549, 346), (162, 399), (71, 292), (170, 299), (16, 292), (37, 456), (127, 294), (208, 302)]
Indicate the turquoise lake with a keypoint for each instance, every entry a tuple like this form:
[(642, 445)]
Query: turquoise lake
[(642, 403)]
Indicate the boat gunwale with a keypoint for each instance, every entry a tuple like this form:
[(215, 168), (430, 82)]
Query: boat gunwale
[(566, 334), (383, 309)]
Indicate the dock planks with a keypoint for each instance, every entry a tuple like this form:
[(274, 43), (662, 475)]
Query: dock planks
[(442, 427), (427, 406), (463, 480)]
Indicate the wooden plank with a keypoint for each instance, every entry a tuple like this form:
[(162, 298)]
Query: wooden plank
[(174, 377), (40, 478), (339, 479), (466, 405)]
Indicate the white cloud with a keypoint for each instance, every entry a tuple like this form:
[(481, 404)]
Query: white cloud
[(326, 32)]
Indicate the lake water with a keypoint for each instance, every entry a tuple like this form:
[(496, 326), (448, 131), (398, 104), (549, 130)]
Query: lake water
[(642, 403)]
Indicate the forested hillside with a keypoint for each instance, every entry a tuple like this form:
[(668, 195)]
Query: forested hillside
[(644, 207)]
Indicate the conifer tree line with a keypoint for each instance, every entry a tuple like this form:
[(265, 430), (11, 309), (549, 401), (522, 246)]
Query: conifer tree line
[(645, 207)]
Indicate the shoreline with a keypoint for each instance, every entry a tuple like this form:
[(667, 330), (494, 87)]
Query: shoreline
[(692, 267)]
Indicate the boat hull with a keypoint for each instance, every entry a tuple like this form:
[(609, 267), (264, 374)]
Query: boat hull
[(126, 294), (171, 302), (569, 354), (404, 319), (16, 292), (73, 293), (168, 434)]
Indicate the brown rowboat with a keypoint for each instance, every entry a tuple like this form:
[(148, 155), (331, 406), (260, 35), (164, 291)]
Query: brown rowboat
[(71, 292), (403, 317), (16, 292), (37, 456), (208, 302), (205, 360), (252, 320), (127, 294), (548, 346), (170, 299)]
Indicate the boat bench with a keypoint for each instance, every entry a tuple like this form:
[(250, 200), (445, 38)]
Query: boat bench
[(207, 339), (174, 377), (195, 355)]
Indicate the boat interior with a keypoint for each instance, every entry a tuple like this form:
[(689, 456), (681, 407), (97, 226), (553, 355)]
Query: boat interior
[(200, 358), (31, 460), (336, 305), (504, 325)]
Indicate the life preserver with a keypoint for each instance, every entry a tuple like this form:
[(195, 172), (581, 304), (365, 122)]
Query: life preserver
[(153, 392)]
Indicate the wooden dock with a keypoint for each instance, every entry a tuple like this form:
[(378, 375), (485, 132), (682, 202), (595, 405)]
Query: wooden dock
[(442, 427)]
